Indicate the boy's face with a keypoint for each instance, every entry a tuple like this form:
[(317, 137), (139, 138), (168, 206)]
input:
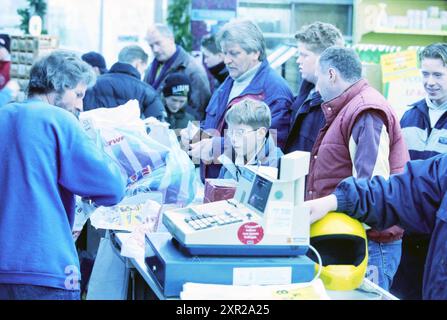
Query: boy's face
[(175, 103), (243, 138), (434, 77), (307, 62)]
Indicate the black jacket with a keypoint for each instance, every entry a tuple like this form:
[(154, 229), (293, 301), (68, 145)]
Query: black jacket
[(121, 84), (180, 119), (306, 121)]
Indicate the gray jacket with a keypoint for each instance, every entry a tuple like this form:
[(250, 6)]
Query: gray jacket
[(200, 89)]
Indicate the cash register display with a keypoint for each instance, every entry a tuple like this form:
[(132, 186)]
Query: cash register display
[(260, 193)]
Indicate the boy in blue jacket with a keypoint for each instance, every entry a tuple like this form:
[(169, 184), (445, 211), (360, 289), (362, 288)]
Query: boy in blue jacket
[(46, 159), (251, 144), (415, 199)]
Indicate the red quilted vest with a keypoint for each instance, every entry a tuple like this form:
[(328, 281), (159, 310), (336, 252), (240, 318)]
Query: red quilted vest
[(330, 158)]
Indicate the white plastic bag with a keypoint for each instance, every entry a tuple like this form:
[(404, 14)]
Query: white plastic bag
[(129, 213)]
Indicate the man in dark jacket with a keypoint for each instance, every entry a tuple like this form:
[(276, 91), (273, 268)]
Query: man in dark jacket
[(123, 83), (169, 58), (424, 128), (307, 117), (415, 199)]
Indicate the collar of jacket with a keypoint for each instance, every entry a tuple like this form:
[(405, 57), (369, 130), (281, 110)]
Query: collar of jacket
[(299, 106), (261, 158), (177, 60), (219, 70), (333, 107), (431, 105), (125, 68), (315, 101), (421, 105)]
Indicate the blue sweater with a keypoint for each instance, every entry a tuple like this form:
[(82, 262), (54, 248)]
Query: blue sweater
[(5, 96), (46, 158)]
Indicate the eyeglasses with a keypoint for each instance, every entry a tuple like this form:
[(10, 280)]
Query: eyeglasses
[(239, 133)]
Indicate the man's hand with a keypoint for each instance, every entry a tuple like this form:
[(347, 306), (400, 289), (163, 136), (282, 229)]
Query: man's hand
[(202, 150), (320, 207), (185, 139)]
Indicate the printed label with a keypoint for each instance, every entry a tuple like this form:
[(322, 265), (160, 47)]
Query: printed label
[(250, 233)]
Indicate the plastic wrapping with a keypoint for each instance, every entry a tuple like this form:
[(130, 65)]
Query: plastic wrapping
[(149, 162), (129, 214), (219, 189)]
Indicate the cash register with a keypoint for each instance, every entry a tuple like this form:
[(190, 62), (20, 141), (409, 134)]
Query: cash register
[(265, 225)]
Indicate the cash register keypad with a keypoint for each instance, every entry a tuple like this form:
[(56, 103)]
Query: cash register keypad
[(205, 221)]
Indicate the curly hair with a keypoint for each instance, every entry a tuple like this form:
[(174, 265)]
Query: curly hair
[(319, 36), (59, 71)]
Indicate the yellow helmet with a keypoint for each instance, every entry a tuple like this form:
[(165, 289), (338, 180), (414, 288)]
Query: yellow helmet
[(342, 244)]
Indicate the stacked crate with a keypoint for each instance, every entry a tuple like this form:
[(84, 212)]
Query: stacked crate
[(24, 52)]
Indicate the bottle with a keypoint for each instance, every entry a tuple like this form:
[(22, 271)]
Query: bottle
[(382, 17), (35, 25)]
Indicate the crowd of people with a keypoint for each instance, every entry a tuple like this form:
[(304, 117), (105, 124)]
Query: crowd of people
[(365, 161)]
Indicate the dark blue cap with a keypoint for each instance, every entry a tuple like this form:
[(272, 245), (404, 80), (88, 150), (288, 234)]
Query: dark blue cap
[(95, 59)]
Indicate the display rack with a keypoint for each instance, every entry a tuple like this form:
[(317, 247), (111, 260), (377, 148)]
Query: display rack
[(25, 50), (400, 22)]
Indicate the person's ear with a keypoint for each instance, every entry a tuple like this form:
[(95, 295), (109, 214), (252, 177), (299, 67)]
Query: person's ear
[(332, 74)]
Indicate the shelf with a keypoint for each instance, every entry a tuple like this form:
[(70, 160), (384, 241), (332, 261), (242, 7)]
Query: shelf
[(410, 32)]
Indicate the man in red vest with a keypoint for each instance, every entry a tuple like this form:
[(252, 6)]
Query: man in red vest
[(361, 138)]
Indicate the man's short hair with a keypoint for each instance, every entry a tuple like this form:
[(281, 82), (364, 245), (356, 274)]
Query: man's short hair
[(129, 54), (164, 30), (435, 51), (59, 71), (209, 43), (253, 113), (344, 60), (319, 36), (244, 33)]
